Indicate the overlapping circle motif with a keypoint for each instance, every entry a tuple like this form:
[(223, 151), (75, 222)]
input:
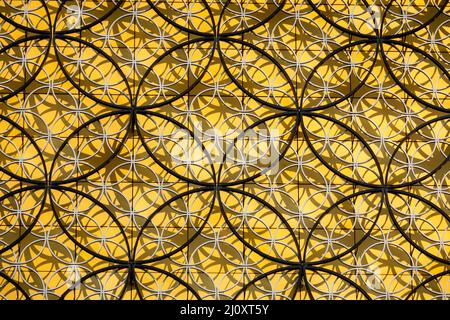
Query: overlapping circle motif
[(97, 203)]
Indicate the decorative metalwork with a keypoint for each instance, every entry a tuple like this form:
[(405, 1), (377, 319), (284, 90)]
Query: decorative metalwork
[(217, 149)]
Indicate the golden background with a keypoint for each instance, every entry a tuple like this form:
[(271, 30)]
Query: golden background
[(99, 199)]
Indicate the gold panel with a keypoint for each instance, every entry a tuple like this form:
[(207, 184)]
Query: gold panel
[(224, 149)]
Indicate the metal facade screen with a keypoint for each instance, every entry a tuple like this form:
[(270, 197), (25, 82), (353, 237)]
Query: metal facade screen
[(215, 149)]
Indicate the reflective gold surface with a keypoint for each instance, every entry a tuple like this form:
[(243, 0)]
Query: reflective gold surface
[(224, 149)]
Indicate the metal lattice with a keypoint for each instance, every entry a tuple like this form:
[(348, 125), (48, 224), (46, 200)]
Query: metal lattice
[(213, 149)]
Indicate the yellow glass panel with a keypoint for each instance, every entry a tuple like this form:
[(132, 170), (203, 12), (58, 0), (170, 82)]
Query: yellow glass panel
[(224, 149)]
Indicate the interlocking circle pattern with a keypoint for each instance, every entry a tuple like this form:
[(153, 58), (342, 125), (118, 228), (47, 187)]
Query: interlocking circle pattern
[(224, 149)]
